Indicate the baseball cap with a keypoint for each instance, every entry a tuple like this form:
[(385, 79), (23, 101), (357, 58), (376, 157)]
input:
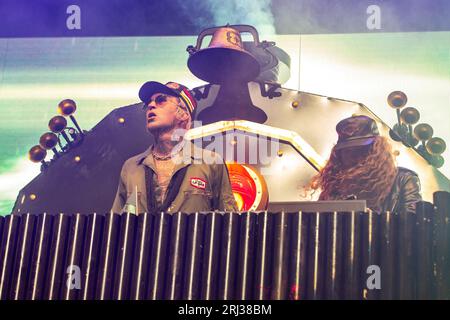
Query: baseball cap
[(356, 131), (170, 88)]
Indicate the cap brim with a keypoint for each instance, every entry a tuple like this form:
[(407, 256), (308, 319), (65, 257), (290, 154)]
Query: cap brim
[(354, 143), (151, 87)]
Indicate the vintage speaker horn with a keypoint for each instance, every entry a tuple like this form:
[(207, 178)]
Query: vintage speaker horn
[(423, 132), (225, 59), (410, 116), (66, 108), (436, 145), (37, 153), (48, 141), (400, 131), (397, 99), (57, 124)]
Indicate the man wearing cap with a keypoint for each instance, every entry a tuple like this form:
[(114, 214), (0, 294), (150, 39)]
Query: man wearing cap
[(361, 166), (172, 175)]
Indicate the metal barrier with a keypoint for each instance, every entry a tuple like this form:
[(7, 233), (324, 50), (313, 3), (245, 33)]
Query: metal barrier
[(223, 255)]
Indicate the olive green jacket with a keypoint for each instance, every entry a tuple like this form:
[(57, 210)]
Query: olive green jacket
[(206, 183)]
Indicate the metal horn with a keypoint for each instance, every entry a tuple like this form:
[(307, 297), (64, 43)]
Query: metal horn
[(436, 146), (37, 154), (423, 132), (57, 124), (66, 108), (410, 116), (397, 99), (48, 141)]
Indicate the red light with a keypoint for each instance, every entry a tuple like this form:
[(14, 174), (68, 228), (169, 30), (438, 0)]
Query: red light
[(249, 187)]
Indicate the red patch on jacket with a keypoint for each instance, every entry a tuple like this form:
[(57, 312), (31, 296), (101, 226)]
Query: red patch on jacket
[(198, 183)]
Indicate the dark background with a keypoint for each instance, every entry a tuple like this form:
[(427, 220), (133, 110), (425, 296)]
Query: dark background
[(47, 18)]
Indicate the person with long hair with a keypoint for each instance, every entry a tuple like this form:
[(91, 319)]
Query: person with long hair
[(361, 166)]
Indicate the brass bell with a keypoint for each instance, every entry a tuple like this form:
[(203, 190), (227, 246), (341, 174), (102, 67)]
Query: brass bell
[(57, 124), (397, 99), (225, 59), (48, 140), (37, 153), (67, 107)]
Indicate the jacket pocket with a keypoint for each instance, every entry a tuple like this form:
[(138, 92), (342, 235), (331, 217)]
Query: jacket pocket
[(197, 192), (196, 200)]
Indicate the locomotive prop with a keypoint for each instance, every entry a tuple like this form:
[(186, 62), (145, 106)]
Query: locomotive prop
[(242, 106)]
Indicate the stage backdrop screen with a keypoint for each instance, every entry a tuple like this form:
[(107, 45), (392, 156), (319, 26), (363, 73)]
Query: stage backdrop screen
[(101, 74)]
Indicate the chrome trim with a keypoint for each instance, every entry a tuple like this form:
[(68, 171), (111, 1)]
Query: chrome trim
[(11, 220), (263, 257), (316, 252), (88, 268), (297, 262), (141, 254), (22, 253), (244, 277), (175, 260), (105, 267), (211, 246), (191, 267), (158, 255), (227, 263), (41, 239), (55, 258), (124, 254), (72, 256)]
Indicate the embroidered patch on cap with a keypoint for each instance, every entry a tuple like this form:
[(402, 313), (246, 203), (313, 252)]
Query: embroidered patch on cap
[(198, 183)]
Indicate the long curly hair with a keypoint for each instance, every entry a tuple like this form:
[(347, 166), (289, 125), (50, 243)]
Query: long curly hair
[(369, 175)]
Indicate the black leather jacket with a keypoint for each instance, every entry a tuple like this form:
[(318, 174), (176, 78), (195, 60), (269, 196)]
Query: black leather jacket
[(405, 192)]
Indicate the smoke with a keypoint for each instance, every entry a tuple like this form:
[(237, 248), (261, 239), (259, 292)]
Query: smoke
[(257, 13)]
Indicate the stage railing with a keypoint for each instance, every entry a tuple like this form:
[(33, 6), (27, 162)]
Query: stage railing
[(223, 255)]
